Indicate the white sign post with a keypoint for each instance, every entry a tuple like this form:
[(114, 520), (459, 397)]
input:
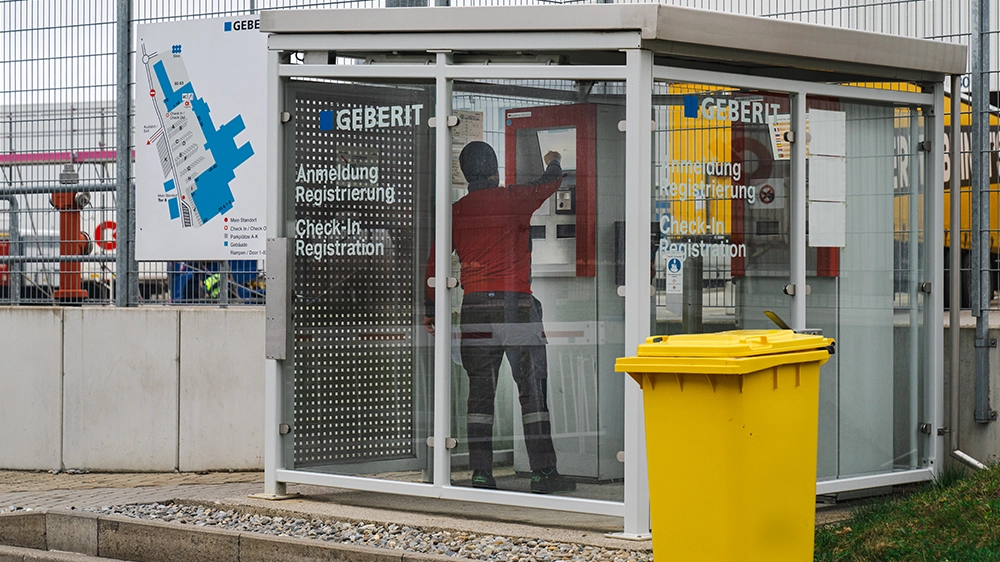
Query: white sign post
[(199, 138)]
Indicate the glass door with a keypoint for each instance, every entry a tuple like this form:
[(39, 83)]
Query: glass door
[(537, 221), (865, 177), (722, 249)]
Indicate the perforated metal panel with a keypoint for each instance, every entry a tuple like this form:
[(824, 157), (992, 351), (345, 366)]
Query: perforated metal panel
[(357, 169)]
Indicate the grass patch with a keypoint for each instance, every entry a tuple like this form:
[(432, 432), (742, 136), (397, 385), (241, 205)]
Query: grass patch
[(956, 519), (951, 475)]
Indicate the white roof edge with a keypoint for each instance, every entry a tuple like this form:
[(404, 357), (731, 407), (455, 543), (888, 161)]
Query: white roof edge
[(654, 22), (820, 42), (592, 17)]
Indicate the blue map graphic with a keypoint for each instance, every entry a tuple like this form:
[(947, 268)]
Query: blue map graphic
[(213, 195)]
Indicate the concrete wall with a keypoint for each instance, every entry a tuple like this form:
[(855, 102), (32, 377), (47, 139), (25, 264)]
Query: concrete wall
[(139, 389), (31, 358), (979, 440), (162, 389)]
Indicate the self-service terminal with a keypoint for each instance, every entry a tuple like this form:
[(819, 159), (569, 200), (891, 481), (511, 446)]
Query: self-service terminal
[(563, 229), (573, 276)]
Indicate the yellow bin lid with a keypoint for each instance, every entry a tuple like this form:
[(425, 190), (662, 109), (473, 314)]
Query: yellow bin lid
[(733, 352), (734, 343)]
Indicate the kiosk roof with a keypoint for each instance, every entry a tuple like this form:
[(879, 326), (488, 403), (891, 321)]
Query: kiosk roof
[(738, 42)]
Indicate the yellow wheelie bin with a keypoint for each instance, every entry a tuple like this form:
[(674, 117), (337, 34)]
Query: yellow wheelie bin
[(731, 422)]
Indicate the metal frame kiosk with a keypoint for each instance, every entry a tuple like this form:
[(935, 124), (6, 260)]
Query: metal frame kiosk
[(724, 162)]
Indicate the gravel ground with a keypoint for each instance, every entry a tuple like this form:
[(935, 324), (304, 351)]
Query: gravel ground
[(451, 543)]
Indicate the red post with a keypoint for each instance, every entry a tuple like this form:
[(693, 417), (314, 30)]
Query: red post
[(4, 268)]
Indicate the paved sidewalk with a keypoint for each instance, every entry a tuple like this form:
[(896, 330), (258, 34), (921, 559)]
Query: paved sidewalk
[(37, 481), (42, 490)]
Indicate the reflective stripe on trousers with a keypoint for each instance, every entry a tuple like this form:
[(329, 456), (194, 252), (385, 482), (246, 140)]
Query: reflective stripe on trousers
[(495, 324)]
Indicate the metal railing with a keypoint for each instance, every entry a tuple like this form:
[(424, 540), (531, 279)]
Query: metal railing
[(66, 89)]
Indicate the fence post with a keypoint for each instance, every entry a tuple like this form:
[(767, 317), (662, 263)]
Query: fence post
[(126, 270), (982, 290)]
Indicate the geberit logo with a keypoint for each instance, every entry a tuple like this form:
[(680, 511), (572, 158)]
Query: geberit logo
[(243, 25), (729, 109)]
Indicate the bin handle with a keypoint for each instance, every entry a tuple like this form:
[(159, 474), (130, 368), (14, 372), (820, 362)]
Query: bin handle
[(782, 325), (760, 341), (776, 319)]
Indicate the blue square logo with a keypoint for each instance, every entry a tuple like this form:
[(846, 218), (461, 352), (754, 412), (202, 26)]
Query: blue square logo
[(229, 26), (691, 106), (326, 120), (225, 243)]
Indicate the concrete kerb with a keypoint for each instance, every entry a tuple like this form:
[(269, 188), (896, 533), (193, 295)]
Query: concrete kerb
[(18, 554), (119, 537), (72, 532), (25, 530)]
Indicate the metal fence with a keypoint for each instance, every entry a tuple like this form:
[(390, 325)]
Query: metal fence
[(67, 224)]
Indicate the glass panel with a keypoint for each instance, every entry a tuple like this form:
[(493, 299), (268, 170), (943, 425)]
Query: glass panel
[(865, 186), (363, 224), (720, 208), (539, 264)]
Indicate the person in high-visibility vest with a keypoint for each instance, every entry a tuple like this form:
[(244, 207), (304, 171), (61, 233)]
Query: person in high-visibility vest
[(212, 284)]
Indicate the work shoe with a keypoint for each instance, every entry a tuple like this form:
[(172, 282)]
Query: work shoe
[(483, 479), (548, 481)]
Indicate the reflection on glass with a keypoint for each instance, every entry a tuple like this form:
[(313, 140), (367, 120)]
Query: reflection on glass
[(720, 209), (722, 258), (531, 392)]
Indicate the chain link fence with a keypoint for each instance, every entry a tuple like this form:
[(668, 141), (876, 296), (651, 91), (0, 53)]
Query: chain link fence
[(66, 181)]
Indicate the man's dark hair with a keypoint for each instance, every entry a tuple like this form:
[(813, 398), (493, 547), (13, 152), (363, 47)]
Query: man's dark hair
[(478, 161)]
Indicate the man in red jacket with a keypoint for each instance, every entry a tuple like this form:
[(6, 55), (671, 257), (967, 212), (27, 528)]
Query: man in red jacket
[(490, 234)]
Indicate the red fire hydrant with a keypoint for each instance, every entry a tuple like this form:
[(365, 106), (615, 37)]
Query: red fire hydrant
[(72, 242)]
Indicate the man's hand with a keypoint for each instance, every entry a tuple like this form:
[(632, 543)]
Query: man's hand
[(550, 156), (429, 324)]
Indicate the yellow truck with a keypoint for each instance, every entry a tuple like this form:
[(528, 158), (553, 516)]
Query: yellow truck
[(965, 238)]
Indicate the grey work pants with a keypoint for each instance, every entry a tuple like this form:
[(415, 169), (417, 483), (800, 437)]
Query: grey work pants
[(494, 324)]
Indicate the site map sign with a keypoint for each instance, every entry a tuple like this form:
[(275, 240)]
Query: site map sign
[(199, 138)]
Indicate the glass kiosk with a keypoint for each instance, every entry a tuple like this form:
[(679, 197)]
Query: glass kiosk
[(689, 199)]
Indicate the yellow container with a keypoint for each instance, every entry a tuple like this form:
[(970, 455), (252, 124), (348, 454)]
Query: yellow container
[(731, 422)]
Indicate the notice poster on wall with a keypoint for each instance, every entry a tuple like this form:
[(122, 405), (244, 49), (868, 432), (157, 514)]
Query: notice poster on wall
[(674, 274), (827, 179), (199, 140), (469, 128)]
